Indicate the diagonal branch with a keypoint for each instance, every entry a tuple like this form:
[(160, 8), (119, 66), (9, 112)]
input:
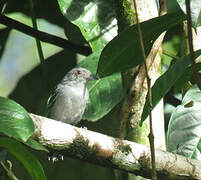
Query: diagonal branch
[(111, 152), (45, 37)]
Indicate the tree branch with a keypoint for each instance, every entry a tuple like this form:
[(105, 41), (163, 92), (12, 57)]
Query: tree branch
[(111, 152), (45, 37)]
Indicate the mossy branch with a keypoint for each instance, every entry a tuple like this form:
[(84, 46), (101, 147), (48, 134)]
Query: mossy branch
[(111, 152)]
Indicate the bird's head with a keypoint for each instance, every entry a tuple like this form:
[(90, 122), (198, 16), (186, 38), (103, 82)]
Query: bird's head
[(80, 75)]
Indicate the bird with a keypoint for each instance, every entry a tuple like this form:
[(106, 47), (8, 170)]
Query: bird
[(70, 97)]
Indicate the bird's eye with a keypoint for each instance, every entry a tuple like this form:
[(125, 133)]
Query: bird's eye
[(78, 72)]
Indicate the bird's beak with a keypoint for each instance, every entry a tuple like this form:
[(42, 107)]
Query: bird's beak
[(93, 77)]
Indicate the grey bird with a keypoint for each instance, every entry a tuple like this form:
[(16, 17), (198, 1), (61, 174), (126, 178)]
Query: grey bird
[(70, 98)]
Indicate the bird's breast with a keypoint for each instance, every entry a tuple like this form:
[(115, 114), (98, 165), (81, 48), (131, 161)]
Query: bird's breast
[(76, 92), (71, 103)]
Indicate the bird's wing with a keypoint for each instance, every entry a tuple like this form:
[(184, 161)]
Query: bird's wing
[(50, 102)]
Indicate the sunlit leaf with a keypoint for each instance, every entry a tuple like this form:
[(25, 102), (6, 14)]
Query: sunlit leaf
[(96, 19), (195, 11), (14, 119), (184, 129)]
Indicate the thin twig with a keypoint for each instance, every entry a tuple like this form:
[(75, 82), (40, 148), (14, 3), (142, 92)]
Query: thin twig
[(138, 84), (190, 41), (45, 37), (39, 48), (9, 172), (141, 75), (2, 3), (151, 135)]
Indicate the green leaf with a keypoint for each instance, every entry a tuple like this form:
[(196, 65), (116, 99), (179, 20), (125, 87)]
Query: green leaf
[(171, 48), (29, 161), (187, 76), (124, 52), (14, 119), (105, 93), (166, 81), (96, 19), (195, 11), (184, 129), (35, 145)]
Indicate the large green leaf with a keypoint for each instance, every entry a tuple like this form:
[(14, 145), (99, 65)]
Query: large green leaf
[(15, 121), (29, 161), (195, 11), (96, 19), (166, 81), (105, 93), (187, 76), (184, 129), (124, 52)]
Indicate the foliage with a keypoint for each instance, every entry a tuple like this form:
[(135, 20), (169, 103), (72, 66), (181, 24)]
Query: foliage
[(105, 93), (195, 11), (29, 161), (15, 121), (180, 69), (183, 135), (112, 54), (126, 45), (96, 19)]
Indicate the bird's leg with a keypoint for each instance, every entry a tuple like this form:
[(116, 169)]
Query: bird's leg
[(55, 156)]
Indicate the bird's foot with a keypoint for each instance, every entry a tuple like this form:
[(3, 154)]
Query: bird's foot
[(54, 157)]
